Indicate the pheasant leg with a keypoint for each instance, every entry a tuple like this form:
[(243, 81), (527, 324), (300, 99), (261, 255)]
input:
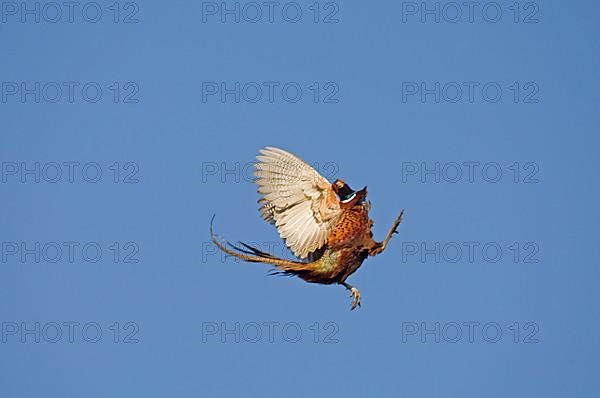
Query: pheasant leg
[(393, 230), (354, 293)]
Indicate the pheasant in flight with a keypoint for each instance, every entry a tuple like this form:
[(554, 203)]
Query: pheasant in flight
[(325, 225)]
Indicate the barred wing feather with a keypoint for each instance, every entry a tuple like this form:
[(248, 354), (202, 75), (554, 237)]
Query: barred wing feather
[(297, 199)]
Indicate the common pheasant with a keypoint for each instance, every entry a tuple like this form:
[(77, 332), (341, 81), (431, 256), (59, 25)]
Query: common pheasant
[(325, 225)]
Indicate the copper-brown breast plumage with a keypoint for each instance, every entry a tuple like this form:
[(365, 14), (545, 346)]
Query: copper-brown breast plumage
[(351, 228)]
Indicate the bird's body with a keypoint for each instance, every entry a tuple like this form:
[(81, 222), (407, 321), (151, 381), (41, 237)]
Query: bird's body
[(325, 224)]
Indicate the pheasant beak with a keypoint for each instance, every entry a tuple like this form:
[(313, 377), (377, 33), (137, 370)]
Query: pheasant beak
[(362, 194)]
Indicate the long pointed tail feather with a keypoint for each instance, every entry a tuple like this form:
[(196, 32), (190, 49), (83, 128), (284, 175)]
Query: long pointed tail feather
[(254, 255)]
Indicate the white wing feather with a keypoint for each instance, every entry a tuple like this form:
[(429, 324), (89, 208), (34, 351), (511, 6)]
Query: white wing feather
[(297, 199)]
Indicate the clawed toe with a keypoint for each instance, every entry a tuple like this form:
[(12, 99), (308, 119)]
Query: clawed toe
[(355, 294)]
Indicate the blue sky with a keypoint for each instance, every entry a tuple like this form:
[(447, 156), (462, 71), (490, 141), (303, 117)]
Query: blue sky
[(125, 128)]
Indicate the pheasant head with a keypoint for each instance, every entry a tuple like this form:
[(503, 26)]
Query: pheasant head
[(346, 194)]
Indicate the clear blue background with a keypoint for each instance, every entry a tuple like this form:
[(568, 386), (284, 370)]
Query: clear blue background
[(170, 133)]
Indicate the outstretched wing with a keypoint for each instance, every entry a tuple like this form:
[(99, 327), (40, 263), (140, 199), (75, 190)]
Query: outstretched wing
[(297, 199)]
